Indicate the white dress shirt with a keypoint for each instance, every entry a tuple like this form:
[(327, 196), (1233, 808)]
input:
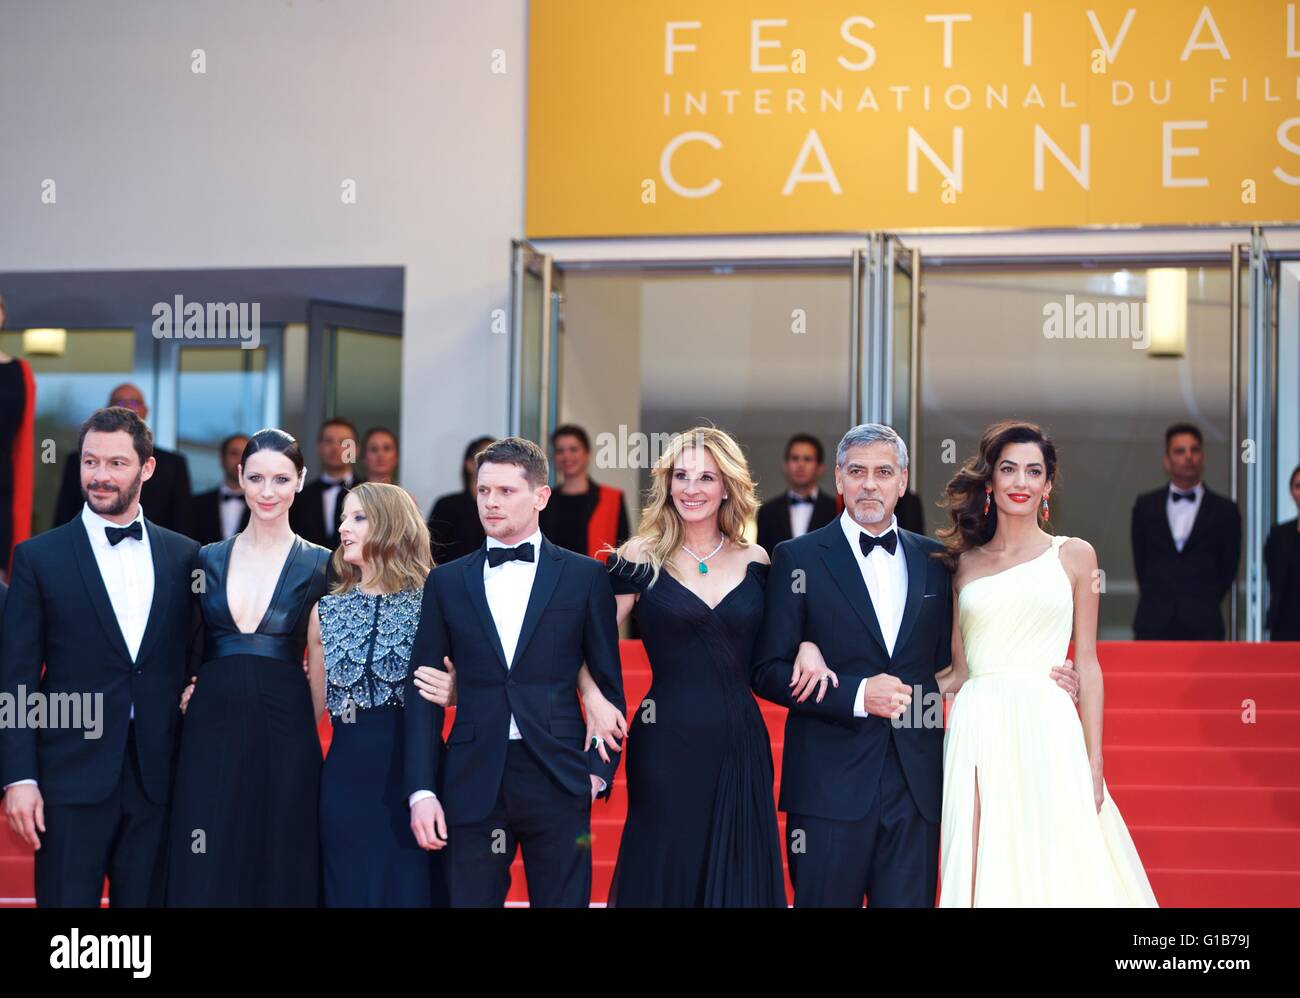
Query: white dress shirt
[(1182, 514), (885, 575), (127, 571), (231, 512), (328, 495), (801, 513)]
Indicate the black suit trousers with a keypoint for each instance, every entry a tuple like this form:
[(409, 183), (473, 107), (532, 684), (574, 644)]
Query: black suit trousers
[(533, 812), (122, 838)]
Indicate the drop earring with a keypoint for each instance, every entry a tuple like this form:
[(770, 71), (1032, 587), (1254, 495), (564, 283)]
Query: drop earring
[(987, 492), (1047, 516)]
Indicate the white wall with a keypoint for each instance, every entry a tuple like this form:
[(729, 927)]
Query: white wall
[(159, 167)]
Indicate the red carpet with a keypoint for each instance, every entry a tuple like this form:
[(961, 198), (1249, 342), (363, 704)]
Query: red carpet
[(1213, 803)]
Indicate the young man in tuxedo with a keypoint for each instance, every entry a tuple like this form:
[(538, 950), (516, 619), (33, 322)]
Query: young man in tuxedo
[(314, 515), (863, 796), (517, 619), (105, 603), (802, 507), (1186, 545), (222, 512), (166, 492)]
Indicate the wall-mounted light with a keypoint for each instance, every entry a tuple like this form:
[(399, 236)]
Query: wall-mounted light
[(1166, 312), (45, 342)]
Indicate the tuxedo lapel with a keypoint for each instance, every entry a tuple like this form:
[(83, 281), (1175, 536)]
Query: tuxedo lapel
[(1201, 524), (916, 572), (473, 573), (84, 556), (1160, 514), (544, 582), (848, 576), (162, 588)]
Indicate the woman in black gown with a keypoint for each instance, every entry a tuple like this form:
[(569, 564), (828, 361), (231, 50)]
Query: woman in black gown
[(701, 823), (244, 829)]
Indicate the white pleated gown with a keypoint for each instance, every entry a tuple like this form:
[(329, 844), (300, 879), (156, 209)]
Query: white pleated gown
[(1042, 842)]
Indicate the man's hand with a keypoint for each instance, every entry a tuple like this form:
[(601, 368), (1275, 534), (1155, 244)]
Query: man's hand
[(437, 686), (1067, 678), (429, 823), (25, 810), (189, 692), (886, 696)]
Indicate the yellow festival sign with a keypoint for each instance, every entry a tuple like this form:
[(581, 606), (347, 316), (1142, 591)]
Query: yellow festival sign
[(740, 116)]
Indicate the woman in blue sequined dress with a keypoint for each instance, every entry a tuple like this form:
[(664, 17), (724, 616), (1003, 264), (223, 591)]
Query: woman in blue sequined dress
[(364, 628)]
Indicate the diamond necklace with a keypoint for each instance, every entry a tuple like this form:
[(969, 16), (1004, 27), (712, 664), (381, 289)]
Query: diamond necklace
[(703, 567)]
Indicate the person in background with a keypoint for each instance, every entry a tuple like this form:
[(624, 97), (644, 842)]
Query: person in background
[(1282, 563), (221, 512), (454, 526), (380, 454), (165, 497), (315, 516), (803, 506), (582, 516), (17, 442), (1186, 544)]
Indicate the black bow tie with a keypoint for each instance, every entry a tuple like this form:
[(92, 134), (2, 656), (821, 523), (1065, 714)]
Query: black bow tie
[(116, 534), (800, 500), (499, 556), (1182, 495), (888, 541), (231, 497)]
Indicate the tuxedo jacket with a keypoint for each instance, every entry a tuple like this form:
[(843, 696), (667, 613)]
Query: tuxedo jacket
[(832, 759), (1281, 562), (571, 618), (165, 497), (774, 518), (58, 613), (1179, 593), (307, 515), (205, 517)]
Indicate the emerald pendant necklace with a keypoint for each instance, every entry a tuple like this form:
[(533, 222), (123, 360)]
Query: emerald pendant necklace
[(703, 567)]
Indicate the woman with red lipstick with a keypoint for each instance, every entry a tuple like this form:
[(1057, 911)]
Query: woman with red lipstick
[(1027, 820), (244, 829)]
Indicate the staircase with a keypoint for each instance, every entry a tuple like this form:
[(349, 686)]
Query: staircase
[(1213, 803)]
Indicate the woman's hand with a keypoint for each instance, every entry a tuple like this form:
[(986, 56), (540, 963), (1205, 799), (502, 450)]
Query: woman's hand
[(606, 724), (810, 672), (189, 692), (1098, 789), (437, 686)]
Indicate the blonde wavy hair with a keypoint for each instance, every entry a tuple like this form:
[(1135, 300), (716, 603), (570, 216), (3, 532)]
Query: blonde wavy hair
[(660, 532), (397, 543)]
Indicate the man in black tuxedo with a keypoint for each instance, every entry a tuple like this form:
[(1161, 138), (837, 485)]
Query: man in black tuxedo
[(222, 512), (802, 507), (165, 494), (518, 618), (862, 770), (1186, 545), (314, 515), (105, 603)]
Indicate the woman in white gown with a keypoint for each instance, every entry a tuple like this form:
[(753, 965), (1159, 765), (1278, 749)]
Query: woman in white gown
[(1027, 820)]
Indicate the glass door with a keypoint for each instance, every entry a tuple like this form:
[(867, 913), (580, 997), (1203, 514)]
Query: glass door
[(1257, 426), (536, 305), (886, 337), (211, 388)]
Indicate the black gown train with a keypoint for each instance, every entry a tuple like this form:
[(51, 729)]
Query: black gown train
[(244, 828), (701, 826)]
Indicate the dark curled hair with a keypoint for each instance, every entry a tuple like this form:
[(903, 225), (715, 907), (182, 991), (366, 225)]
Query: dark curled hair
[(963, 497), (115, 418)]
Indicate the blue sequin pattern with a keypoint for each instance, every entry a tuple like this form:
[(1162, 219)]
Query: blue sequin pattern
[(367, 642)]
